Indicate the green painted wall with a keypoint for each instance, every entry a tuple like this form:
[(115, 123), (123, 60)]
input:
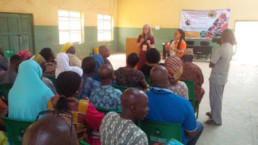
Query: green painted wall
[(47, 36), (162, 35)]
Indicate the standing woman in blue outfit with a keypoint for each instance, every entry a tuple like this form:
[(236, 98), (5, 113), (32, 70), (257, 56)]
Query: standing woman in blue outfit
[(29, 95)]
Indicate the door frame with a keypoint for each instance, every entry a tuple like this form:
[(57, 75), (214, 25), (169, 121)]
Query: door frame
[(32, 27)]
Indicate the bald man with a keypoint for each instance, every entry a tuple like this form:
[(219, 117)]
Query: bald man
[(120, 129), (106, 96), (168, 107), (101, 59), (104, 51), (58, 132)]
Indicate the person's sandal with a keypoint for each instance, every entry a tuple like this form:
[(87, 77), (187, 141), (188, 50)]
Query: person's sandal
[(209, 114), (211, 122)]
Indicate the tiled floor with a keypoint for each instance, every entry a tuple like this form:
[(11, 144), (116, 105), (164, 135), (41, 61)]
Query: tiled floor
[(240, 105)]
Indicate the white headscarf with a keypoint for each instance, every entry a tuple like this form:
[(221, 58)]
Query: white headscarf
[(63, 65)]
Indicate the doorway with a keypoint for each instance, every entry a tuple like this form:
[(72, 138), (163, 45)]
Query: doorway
[(16, 32), (247, 42)]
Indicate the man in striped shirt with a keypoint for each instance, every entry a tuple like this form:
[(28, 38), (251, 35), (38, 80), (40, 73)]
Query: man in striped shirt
[(118, 129)]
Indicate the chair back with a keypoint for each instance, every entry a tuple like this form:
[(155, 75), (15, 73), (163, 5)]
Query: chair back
[(123, 88), (5, 88), (83, 143), (15, 129), (53, 79), (9, 53), (105, 111), (191, 90), (161, 132), (147, 79)]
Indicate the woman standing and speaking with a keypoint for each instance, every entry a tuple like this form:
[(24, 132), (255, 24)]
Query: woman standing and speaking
[(145, 41)]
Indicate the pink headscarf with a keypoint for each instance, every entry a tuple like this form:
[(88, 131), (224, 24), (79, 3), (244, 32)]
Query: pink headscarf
[(24, 54)]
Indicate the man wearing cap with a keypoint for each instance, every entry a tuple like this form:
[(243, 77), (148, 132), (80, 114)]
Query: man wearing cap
[(193, 72)]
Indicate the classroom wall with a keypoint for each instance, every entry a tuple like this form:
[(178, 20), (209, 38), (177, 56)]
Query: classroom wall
[(133, 14), (129, 16), (45, 19)]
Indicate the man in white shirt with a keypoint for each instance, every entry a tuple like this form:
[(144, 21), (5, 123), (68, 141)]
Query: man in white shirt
[(220, 64)]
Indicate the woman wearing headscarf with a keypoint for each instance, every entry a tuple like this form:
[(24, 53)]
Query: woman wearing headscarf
[(174, 66), (70, 50), (62, 60), (29, 95)]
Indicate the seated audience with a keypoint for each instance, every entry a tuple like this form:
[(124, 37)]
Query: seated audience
[(105, 53), (25, 54), (3, 112), (70, 50), (88, 84), (120, 129), (3, 61), (168, 107), (152, 58), (174, 67), (106, 96), (42, 62), (68, 85), (9, 76), (3, 138), (58, 132), (62, 60), (193, 72), (29, 95), (129, 76), (101, 59), (49, 56)]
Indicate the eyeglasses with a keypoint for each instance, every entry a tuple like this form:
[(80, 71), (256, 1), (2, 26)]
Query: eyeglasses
[(59, 113)]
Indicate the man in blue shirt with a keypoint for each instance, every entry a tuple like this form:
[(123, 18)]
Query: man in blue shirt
[(168, 107), (88, 83)]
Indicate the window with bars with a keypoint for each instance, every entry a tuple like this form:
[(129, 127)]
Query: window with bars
[(104, 28), (70, 26)]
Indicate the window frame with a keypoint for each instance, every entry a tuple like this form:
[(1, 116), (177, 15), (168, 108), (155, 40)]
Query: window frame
[(103, 30), (70, 30)]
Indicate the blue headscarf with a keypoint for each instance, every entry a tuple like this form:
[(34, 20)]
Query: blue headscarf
[(29, 95), (100, 61)]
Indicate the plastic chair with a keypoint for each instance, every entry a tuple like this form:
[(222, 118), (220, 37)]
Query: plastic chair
[(191, 93), (53, 79), (15, 129), (9, 53), (123, 88), (147, 79), (83, 143), (161, 132), (5, 88), (105, 111)]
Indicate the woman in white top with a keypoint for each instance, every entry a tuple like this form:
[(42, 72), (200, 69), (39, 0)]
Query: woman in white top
[(62, 60), (220, 64)]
